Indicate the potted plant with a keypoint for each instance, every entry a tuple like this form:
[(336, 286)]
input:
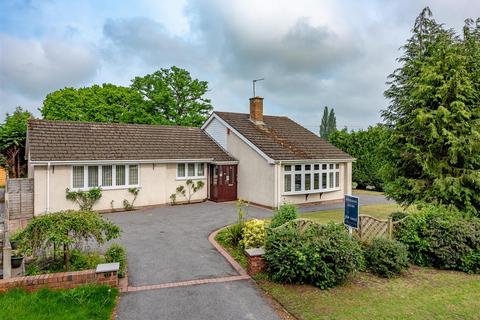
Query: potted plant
[(16, 261), (14, 244)]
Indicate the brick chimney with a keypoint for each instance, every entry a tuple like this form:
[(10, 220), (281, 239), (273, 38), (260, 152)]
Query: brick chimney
[(256, 110)]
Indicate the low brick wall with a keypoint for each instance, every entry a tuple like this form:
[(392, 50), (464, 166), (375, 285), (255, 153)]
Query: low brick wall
[(256, 264), (62, 280)]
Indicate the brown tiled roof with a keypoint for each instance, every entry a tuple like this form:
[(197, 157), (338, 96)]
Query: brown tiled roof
[(283, 139), (69, 140)]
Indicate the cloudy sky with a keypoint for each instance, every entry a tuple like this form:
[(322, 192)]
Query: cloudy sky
[(311, 53)]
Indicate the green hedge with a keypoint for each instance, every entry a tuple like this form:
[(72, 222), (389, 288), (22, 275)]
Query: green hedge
[(439, 237), (386, 258), (322, 255)]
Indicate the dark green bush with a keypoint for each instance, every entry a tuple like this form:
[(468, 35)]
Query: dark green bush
[(322, 255), (398, 215), (386, 257), (439, 237), (117, 253), (285, 213)]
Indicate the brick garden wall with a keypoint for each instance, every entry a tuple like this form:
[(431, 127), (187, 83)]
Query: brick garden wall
[(62, 280)]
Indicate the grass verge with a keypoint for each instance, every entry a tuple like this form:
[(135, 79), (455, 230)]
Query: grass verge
[(423, 293), (381, 211), (86, 302)]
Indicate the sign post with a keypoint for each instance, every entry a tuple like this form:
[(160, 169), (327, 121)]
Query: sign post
[(350, 219)]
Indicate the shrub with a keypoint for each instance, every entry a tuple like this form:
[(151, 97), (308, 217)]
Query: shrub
[(234, 233), (126, 204), (62, 231), (285, 213), (253, 234), (85, 260), (322, 255), (398, 215), (386, 257), (439, 237), (117, 253)]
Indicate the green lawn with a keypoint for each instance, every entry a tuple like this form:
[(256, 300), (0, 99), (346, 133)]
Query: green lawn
[(376, 210), (366, 192), (82, 303), (421, 294)]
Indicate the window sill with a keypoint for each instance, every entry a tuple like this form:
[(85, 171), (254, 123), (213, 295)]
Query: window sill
[(296, 193), (190, 178), (107, 188)]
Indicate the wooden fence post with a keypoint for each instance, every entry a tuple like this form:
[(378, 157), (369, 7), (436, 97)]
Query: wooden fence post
[(390, 228)]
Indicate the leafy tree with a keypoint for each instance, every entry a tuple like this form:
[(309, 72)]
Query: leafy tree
[(368, 147), (65, 229), (434, 113), (106, 103), (13, 133), (174, 96), (328, 124)]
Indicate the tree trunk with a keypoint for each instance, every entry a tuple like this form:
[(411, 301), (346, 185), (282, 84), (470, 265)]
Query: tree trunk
[(66, 262)]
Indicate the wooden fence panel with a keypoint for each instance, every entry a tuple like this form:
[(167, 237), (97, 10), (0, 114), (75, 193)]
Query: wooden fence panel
[(370, 228), (19, 198)]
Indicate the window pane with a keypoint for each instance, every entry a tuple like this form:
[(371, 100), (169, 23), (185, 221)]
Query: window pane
[(331, 165), (308, 167), (337, 179), (181, 170), (191, 169), (316, 181), (201, 170), (316, 167), (92, 176), (324, 167), (120, 175), (324, 180), (298, 167), (308, 181), (107, 176), (330, 183), (287, 168), (78, 177), (298, 182), (287, 183), (133, 174), (337, 166)]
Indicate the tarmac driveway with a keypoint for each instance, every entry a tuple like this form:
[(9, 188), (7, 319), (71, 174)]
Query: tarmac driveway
[(170, 244)]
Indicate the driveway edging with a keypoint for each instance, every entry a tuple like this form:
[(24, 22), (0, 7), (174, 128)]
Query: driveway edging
[(225, 254)]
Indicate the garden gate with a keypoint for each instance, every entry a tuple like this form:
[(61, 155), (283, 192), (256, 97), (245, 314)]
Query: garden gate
[(19, 198)]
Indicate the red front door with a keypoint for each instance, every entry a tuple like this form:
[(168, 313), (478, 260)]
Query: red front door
[(223, 182)]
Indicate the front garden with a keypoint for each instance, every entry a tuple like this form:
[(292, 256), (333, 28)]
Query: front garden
[(82, 303), (59, 242), (317, 271)]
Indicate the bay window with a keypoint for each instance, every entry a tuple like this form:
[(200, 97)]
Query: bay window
[(311, 178), (190, 170), (105, 176)]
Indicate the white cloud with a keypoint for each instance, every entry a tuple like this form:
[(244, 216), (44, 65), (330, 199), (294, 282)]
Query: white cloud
[(34, 68)]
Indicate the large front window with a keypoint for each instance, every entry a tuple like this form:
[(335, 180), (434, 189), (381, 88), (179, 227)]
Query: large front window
[(310, 178), (105, 176)]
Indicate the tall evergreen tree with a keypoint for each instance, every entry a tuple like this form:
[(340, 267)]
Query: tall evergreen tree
[(328, 124), (434, 113), (332, 122), (324, 124)]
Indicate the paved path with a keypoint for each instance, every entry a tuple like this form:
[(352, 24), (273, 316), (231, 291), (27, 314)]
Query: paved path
[(170, 245)]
